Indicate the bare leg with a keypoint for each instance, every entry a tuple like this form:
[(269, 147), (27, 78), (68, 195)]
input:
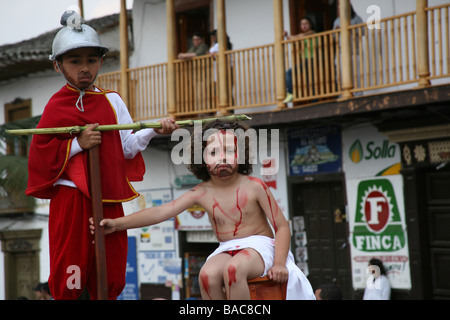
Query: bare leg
[(245, 265), (211, 277)]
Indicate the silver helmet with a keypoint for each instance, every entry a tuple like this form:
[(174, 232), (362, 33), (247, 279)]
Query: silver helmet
[(75, 34)]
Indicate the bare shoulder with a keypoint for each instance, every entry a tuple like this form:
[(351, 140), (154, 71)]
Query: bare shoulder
[(256, 183), (197, 192)]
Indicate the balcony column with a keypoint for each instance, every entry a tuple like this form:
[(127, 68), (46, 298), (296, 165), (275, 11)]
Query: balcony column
[(222, 61), (280, 77), (80, 6), (422, 43), (171, 56), (123, 25), (346, 49)]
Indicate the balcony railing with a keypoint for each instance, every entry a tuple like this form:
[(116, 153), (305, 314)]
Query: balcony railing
[(380, 58)]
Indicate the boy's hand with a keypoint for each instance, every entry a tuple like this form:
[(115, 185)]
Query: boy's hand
[(168, 125), (278, 273), (89, 138), (109, 225)]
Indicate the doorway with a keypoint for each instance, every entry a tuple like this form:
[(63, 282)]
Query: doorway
[(192, 17), (321, 12), (322, 205), (438, 214), (427, 208)]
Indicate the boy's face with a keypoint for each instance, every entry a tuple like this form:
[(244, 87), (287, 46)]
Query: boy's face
[(80, 66), (221, 154)]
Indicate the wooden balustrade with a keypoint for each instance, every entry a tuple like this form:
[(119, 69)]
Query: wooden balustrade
[(380, 58), (313, 65), (385, 56), (251, 77), (196, 90), (147, 92), (439, 42)]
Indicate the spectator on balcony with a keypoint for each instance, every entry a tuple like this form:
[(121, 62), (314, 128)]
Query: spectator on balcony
[(214, 49), (198, 48), (306, 29), (354, 19)]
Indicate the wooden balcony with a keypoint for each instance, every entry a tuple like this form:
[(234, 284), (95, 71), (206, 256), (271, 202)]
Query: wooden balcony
[(389, 58)]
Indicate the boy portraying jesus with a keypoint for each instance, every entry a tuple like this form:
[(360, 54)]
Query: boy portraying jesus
[(240, 208)]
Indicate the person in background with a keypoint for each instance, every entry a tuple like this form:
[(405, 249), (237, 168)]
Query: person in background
[(46, 295), (354, 19), (328, 292), (306, 29), (377, 285), (198, 48), (38, 291), (214, 49)]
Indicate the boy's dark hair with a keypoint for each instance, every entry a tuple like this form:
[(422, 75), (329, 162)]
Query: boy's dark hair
[(200, 170)]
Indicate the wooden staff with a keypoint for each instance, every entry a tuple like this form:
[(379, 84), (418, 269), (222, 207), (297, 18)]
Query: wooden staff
[(128, 126), (97, 213)]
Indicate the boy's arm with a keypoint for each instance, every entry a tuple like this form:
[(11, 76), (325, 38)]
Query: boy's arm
[(150, 216), (282, 233)]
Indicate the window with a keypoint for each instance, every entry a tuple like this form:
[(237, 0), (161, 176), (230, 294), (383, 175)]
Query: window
[(17, 110)]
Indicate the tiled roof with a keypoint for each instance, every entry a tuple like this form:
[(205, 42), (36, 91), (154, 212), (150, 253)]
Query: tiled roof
[(29, 56)]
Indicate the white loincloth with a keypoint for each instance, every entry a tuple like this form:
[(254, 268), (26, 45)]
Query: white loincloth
[(298, 286)]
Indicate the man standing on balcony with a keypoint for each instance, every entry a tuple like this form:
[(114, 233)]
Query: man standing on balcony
[(198, 48)]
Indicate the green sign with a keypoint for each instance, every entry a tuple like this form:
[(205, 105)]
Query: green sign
[(371, 151), (378, 225)]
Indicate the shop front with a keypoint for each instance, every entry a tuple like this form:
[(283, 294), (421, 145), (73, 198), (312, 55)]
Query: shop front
[(425, 154), (318, 206)]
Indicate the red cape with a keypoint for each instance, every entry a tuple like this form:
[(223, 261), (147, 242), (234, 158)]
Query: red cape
[(49, 153)]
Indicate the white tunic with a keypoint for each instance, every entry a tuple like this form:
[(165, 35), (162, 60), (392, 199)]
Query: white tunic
[(298, 286)]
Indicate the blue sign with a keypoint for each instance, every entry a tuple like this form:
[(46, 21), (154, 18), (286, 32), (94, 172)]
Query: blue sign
[(131, 290), (315, 150)]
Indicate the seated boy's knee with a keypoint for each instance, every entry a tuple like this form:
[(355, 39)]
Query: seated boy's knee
[(233, 271), (212, 274)]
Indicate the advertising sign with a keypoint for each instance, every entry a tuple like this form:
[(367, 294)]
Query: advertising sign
[(131, 290), (368, 153), (376, 212), (378, 229), (314, 150)]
